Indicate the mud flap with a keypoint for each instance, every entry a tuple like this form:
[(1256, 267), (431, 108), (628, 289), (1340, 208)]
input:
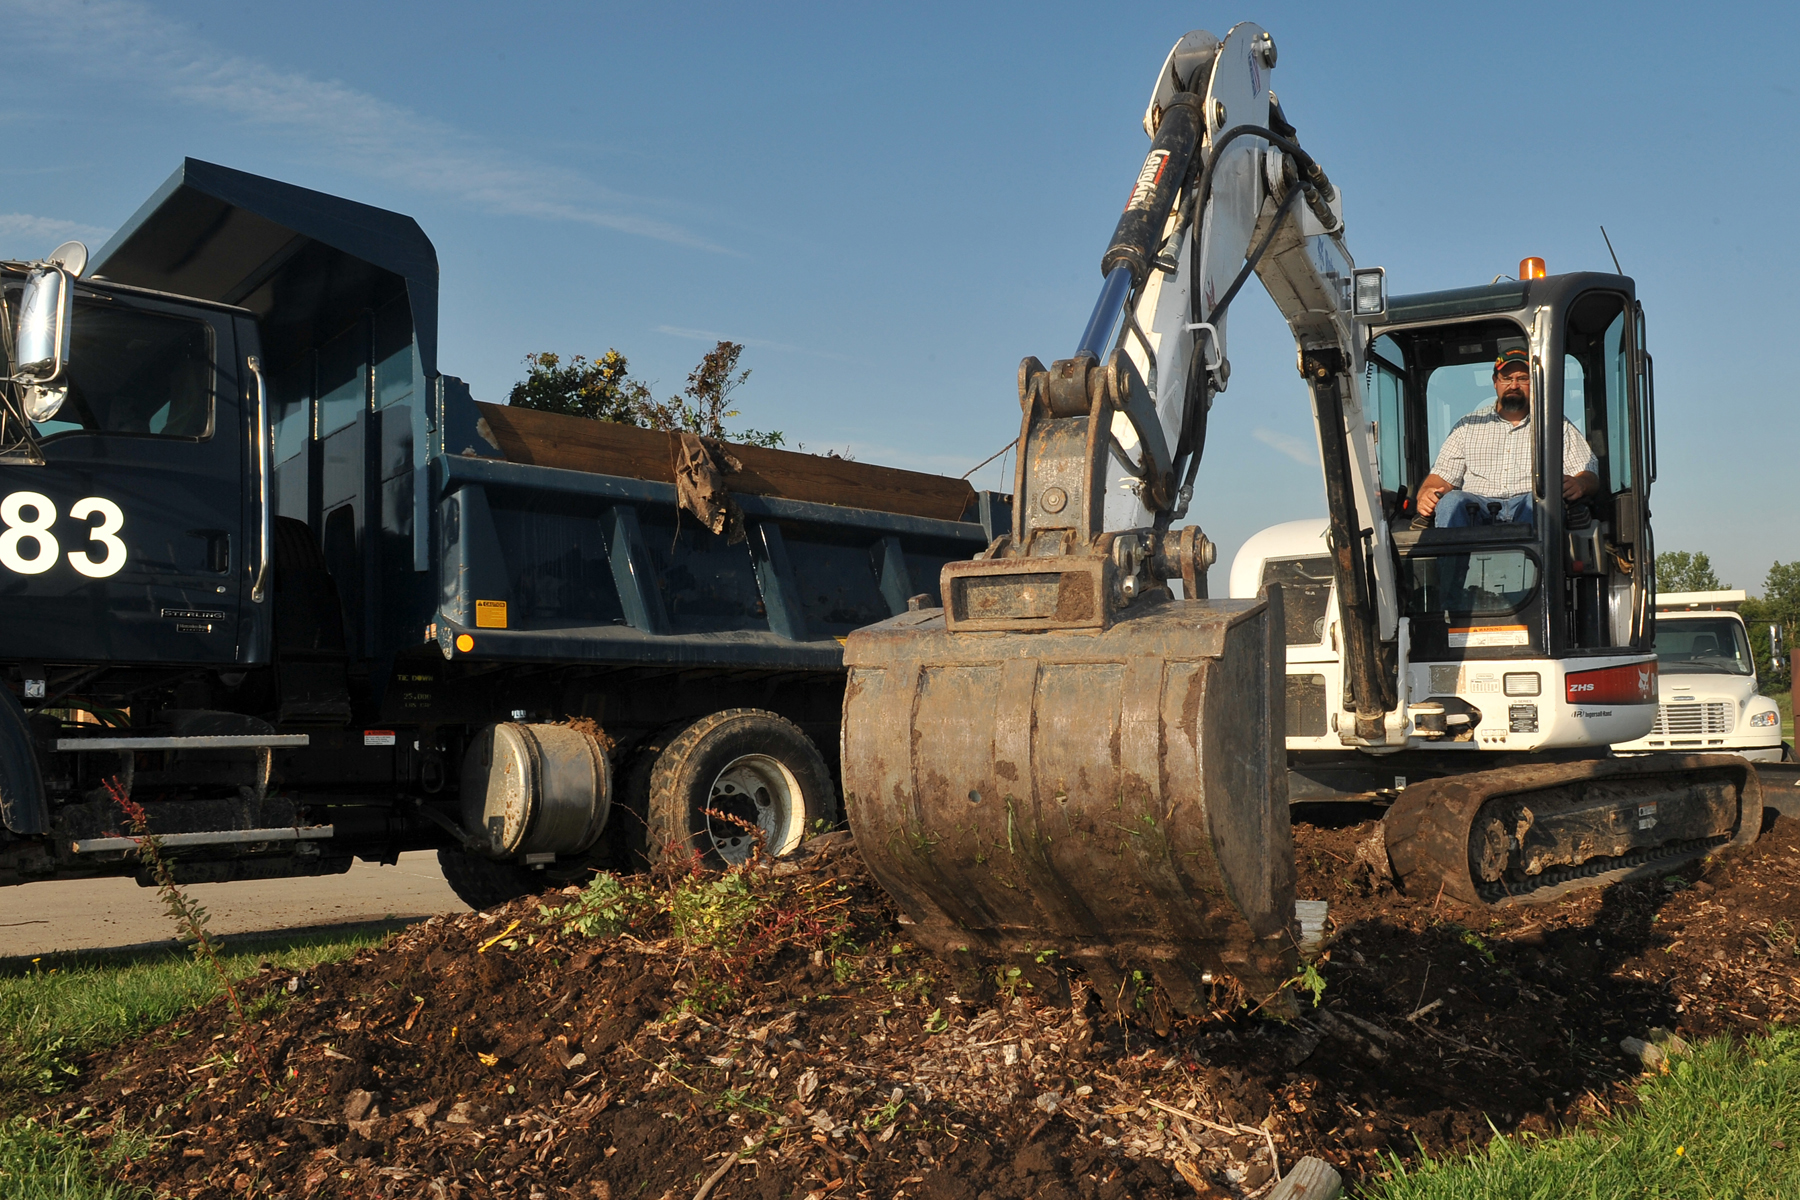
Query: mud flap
[(1529, 834), (1115, 800), (22, 805)]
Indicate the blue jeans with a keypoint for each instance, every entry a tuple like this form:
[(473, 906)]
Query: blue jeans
[(1460, 509)]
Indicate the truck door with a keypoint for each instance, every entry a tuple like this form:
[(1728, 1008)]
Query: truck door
[(128, 543)]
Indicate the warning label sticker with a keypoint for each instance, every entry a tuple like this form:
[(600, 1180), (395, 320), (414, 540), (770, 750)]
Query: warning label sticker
[(491, 614), (1490, 635), (378, 737)]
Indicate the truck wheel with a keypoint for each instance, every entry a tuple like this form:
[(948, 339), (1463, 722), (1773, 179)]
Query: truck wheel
[(483, 883), (732, 780)]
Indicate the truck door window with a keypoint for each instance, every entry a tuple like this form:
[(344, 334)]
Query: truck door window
[(136, 372)]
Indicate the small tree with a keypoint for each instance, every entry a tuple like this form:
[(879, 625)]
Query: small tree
[(604, 391), (1779, 605), (600, 391), (704, 403), (1679, 571)]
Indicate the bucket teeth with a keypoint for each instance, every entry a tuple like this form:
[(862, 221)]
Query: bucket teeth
[(1115, 801)]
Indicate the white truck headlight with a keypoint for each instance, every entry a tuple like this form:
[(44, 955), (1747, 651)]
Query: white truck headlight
[(1765, 720)]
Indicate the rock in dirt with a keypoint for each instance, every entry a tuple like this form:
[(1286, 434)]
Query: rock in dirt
[(1645, 1052)]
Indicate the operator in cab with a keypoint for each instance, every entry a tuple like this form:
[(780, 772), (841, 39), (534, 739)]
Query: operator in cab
[(1483, 472)]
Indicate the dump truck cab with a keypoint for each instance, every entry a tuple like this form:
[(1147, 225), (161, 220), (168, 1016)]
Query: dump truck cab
[(126, 528)]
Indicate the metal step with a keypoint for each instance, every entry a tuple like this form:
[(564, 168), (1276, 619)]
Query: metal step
[(218, 837), (217, 741)]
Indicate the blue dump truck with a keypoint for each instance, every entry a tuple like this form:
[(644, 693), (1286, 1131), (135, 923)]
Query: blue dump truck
[(270, 574)]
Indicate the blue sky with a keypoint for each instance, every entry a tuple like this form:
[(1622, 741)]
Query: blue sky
[(890, 206)]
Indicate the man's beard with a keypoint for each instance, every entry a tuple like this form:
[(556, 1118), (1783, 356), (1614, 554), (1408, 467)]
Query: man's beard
[(1514, 401)]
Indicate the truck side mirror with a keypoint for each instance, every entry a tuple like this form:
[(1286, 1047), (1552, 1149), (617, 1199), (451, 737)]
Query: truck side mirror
[(45, 313)]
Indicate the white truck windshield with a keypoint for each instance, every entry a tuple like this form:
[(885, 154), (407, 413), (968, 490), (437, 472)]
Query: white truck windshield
[(1703, 646)]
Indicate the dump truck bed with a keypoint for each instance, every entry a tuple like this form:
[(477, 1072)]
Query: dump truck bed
[(564, 540)]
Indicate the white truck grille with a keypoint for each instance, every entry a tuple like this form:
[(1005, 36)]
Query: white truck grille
[(1693, 719)]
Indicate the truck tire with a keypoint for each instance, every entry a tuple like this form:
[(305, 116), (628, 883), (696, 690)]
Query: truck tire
[(629, 829), (757, 771), (482, 883)]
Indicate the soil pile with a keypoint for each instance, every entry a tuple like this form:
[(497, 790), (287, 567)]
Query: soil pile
[(776, 1035)]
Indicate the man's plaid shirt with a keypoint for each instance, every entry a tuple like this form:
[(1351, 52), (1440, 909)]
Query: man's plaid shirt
[(1490, 456)]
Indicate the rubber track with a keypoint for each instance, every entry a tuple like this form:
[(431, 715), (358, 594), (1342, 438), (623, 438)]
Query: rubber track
[(1500, 893), (1428, 828)]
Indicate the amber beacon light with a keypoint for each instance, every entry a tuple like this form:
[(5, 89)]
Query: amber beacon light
[(1531, 268)]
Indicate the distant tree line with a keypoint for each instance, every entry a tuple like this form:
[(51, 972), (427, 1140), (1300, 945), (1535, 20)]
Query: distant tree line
[(1779, 605), (603, 390)]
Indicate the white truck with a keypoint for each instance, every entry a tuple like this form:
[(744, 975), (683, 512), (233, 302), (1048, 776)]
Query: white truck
[(1707, 688)]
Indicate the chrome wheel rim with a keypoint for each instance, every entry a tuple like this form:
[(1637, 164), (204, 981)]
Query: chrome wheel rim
[(755, 799)]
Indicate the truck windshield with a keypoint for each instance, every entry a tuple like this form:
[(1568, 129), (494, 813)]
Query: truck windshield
[(136, 372), (1703, 646)]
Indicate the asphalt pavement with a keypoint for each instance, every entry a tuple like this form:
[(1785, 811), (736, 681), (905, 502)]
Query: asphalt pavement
[(96, 914)]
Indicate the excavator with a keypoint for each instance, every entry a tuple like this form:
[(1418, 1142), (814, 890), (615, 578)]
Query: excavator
[(1066, 763)]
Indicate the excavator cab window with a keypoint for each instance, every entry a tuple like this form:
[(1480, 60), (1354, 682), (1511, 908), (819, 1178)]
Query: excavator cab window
[(1386, 387), (1420, 383)]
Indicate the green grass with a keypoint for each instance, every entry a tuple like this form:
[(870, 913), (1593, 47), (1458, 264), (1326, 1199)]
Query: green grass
[(1723, 1125), (1786, 700), (41, 1162), (59, 1007)]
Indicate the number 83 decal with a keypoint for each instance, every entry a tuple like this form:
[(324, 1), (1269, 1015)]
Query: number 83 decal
[(33, 533)]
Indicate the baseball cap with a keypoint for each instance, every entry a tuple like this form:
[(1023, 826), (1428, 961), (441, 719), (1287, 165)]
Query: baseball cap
[(1516, 354)]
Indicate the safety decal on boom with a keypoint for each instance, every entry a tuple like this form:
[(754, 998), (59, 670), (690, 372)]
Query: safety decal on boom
[(1147, 180), (36, 534)]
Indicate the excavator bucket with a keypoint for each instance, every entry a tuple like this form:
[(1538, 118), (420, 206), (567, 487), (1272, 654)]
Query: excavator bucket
[(1112, 798)]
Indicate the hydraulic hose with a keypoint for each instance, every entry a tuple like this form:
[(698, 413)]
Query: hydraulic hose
[(1197, 396)]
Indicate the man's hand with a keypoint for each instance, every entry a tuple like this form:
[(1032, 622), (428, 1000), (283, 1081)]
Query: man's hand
[(1430, 492), (1575, 487)]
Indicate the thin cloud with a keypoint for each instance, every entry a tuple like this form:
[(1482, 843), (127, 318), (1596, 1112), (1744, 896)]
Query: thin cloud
[(39, 235), (708, 335), (1301, 452), (125, 40)]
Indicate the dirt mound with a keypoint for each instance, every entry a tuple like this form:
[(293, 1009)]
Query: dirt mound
[(779, 1036)]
